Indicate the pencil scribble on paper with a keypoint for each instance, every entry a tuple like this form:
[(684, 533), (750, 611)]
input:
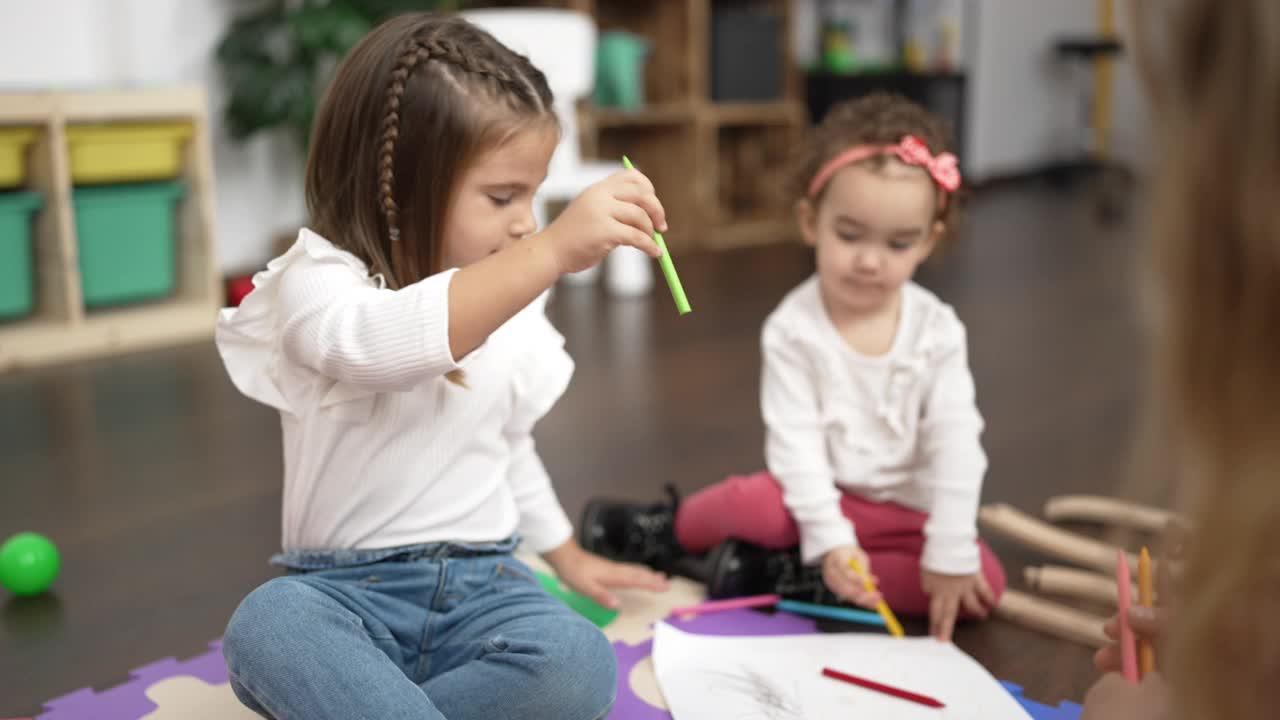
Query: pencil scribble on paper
[(771, 701)]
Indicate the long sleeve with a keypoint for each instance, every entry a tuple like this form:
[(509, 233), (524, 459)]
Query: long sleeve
[(795, 449), (542, 374), (950, 429), (543, 522), (335, 323)]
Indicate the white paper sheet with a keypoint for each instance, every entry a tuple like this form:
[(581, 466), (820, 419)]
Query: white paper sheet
[(780, 678)]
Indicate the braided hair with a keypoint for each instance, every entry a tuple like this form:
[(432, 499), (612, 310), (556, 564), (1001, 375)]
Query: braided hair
[(513, 82), (408, 110)]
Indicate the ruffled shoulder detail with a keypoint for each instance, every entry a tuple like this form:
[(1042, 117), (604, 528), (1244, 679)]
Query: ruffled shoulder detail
[(543, 366), (248, 336)]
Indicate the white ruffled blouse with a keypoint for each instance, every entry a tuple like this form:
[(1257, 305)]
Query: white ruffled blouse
[(380, 449), (903, 427)]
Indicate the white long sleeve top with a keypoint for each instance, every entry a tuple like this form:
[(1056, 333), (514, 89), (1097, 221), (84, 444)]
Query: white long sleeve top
[(902, 427), (380, 449)]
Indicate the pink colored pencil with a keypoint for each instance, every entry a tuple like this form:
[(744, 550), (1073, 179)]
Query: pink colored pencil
[(1128, 646), (730, 604)]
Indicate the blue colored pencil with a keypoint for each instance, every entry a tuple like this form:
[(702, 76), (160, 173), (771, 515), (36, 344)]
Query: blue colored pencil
[(853, 615)]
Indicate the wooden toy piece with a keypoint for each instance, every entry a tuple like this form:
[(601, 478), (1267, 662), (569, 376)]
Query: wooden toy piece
[(1109, 511), (1051, 618), (1056, 542), (1071, 582)]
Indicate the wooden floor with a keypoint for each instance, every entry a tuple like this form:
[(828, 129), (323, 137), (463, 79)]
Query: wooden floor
[(161, 485)]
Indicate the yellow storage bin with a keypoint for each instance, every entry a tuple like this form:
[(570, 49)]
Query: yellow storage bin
[(121, 152), (13, 154)]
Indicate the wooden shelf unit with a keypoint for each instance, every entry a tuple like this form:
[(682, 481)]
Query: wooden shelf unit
[(681, 138), (60, 328)]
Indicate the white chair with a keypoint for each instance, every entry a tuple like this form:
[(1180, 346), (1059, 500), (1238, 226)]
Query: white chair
[(562, 44)]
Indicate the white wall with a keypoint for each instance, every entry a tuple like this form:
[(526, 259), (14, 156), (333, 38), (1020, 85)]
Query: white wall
[(1023, 105), (73, 44)]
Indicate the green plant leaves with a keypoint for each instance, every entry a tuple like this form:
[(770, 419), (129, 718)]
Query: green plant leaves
[(276, 56)]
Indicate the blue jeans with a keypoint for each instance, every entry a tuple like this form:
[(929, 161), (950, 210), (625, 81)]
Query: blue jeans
[(444, 630)]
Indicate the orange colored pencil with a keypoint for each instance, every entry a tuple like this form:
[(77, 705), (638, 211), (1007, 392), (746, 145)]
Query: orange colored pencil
[(1146, 653)]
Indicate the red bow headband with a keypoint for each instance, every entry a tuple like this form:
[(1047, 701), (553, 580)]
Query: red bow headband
[(911, 150)]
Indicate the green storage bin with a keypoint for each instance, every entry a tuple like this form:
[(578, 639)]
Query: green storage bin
[(126, 241), (17, 272)]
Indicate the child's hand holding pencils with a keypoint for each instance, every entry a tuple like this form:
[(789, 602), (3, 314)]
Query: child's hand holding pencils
[(1148, 624), (841, 579)]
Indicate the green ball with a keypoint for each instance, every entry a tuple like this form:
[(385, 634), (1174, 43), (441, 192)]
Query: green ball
[(28, 563)]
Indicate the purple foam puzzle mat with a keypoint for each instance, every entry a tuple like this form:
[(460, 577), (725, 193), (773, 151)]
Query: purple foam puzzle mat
[(129, 701)]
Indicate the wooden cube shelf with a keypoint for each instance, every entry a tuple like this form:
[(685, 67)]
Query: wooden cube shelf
[(60, 328), (719, 189)]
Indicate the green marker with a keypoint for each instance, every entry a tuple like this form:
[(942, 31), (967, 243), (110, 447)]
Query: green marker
[(664, 261)]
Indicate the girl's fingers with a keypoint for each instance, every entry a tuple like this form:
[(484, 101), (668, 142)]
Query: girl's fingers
[(635, 576), (985, 593), (648, 202), (973, 603), (1107, 659), (594, 590), (637, 179), (865, 598), (946, 620), (1147, 622), (631, 214), (639, 239)]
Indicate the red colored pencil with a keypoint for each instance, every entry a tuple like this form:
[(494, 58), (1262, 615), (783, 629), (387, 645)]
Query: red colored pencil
[(873, 685)]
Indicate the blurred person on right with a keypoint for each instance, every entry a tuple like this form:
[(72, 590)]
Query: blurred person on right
[(1212, 71)]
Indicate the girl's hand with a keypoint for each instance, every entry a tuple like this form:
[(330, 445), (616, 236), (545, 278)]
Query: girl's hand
[(1114, 698), (594, 576), (947, 593), (1147, 623), (622, 209), (843, 581)]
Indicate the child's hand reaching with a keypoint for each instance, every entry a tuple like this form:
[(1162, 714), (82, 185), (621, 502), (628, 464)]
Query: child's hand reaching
[(947, 593), (843, 581), (594, 576), (622, 209)]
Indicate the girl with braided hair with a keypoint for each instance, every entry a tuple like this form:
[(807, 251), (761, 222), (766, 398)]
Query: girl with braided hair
[(402, 339)]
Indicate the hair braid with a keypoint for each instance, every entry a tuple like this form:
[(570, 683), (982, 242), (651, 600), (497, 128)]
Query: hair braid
[(414, 54), (519, 84), (418, 51)]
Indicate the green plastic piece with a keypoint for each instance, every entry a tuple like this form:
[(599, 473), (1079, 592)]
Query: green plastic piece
[(127, 241), (17, 273), (586, 607), (28, 564), (668, 267)]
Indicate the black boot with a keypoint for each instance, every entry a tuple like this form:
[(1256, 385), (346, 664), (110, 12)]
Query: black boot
[(736, 568), (631, 532)]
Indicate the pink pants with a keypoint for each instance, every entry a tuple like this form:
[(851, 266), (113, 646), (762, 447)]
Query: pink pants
[(750, 508)]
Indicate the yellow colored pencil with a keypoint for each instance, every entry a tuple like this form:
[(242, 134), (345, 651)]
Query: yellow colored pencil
[(882, 607), (1146, 653)]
